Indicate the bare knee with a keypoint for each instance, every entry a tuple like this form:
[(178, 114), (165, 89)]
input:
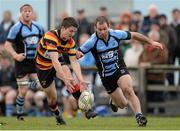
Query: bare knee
[(128, 90), (22, 91), (10, 97)]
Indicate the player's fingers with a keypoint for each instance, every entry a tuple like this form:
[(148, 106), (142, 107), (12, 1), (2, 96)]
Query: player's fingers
[(70, 89)]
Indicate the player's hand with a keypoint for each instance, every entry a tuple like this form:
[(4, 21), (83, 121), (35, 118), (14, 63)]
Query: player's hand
[(19, 57), (69, 83), (83, 85), (79, 54), (157, 45)]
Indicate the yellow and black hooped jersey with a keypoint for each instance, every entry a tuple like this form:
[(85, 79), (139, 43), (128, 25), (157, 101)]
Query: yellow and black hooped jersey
[(51, 42)]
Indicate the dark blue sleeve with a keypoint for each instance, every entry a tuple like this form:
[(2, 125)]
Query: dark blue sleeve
[(42, 30)]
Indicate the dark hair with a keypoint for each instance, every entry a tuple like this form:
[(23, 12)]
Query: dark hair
[(175, 10), (163, 16), (101, 20), (24, 6), (103, 8), (80, 11), (68, 22), (137, 12)]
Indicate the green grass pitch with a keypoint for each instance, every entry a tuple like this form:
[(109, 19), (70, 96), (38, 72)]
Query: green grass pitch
[(100, 123)]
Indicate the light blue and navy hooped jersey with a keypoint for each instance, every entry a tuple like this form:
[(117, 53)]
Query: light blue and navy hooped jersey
[(25, 38), (107, 54)]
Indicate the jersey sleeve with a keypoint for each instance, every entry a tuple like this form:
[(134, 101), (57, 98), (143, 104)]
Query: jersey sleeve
[(13, 33), (72, 50), (51, 46), (122, 35), (87, 46), (50, 41)]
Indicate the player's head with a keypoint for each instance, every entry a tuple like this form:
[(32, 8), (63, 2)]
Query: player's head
[(68, 28), (102, 26), (26, 11)]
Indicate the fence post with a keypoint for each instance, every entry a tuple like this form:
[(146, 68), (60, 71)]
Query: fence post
[(142, 89)]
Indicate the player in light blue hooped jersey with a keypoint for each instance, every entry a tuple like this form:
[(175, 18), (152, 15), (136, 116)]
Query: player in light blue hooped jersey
[(104, 45), (21, 43)]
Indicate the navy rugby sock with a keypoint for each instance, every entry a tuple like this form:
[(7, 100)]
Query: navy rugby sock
[(19, 105), (137, 114), (55, 110)]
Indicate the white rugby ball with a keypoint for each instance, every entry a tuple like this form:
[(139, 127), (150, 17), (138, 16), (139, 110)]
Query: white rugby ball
[(86, 100)]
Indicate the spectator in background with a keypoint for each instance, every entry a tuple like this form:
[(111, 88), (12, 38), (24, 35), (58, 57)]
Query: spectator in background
[(176, 25), (131, 56), (103, 11), (5, 26), (152, 16), (152, 56), (125, 19), (84, 25), (170, 40), (8, 85), (137, 19), (133, 26), (62, 15), (124, 24)]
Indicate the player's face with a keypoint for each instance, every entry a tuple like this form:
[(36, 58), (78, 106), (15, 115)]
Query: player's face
[(26, 13), (68, 33), (102, 30)]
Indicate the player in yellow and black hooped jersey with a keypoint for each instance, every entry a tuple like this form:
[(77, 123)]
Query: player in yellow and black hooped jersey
[(50, 63), (51, 42)]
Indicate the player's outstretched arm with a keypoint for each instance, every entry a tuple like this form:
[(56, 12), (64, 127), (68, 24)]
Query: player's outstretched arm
[(145, 40), (59, 71), (77, 69)]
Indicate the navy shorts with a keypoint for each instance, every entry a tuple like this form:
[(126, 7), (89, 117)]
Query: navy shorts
[(46, 77), (27, 66), (110, 82)]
